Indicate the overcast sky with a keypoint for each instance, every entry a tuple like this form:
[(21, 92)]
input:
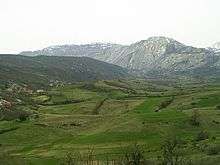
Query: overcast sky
[(35, 24)]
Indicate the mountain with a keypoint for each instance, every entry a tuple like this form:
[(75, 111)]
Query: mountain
[(87, 50), (161, 55), (154, 56), (43, 69), (216, 45)]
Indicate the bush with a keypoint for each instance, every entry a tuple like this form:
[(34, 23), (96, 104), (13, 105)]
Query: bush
[(218, 107), (23, 116), (202, 135), (77, 158), (193, 103), (170, 150), (213, 150), (98, 106), (195, 118), (70, 159), (165, 103), (134, 155)]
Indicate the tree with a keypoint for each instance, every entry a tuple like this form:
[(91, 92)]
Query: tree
[(171, 153), (134, 155), (22, 115), (195, 118), (202, 135)]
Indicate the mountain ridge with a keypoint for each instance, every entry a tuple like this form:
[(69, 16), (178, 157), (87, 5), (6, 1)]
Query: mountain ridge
[(161, 55)]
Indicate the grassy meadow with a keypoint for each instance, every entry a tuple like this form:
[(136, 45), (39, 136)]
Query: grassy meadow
[(109, 116)]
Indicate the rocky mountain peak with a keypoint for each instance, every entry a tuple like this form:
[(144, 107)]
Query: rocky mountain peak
[(159, 40), (159, 44)]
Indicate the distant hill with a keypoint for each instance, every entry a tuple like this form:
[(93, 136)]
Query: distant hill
[(154, 56), (43, 69)]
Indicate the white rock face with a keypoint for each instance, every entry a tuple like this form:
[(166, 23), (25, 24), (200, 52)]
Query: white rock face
[(156, 54)]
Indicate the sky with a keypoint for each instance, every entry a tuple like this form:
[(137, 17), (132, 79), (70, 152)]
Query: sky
[(35, 24)]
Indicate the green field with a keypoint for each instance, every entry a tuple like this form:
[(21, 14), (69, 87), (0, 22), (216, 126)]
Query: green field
[(109, 116)]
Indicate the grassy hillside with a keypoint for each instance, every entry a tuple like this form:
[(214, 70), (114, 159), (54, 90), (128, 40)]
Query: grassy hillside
[(108, 116), (43, 69)]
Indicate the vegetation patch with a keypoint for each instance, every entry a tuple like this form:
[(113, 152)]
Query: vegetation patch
[(8, 130), (118, 125)]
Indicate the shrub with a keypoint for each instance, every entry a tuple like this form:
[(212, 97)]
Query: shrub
[(166, 103), (98, 106), (23, 116), (172, 153), (70, 159), (202, 135), (195, 118), (89, 86), (213, 150), (193, 103), (134, 155), (77, 158), (218, 107)]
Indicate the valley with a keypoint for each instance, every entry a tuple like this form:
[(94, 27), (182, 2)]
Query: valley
[(115, 82), (100, 120), (154, 102)]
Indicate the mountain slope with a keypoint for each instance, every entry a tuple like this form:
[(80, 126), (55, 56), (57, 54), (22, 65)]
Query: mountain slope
[(160, 54), (42, 69), (156, 55), (87, 50)]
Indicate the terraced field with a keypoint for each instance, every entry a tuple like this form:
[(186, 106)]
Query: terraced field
[(109, 116)]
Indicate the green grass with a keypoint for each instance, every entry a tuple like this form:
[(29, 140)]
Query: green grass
[(149, 105), (76, 108), (209, 100), (122, 120), (41, 99)]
